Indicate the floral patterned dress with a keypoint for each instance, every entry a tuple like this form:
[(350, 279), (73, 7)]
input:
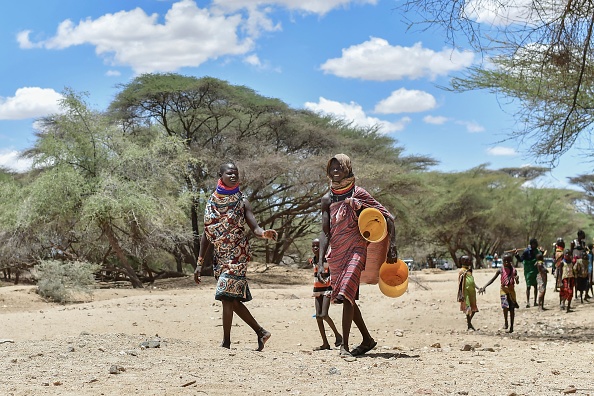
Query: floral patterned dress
[(224, 225)]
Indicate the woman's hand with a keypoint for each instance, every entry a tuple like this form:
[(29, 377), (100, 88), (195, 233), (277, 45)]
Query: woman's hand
[(197, 277), (270, 234), (392, 256)]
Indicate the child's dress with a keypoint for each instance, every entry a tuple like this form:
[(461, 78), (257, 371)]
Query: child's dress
[(467, 292), (508, 289), (568, 281), (581, 272)]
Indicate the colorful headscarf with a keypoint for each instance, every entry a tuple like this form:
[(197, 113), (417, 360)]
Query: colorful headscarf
[(346, 184)]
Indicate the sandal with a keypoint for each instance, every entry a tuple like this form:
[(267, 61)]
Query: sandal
[(363, 349), (344, 353)]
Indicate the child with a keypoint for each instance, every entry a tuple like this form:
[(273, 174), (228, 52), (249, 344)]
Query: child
[(581, 273), (567, 280), (467, 291), (322, 292), (509, 278), (541, 280)]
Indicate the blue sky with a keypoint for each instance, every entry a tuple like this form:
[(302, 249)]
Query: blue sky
[(353, 58)]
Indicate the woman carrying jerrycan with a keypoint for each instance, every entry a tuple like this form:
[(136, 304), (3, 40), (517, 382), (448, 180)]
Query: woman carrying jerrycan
[(346, 249)]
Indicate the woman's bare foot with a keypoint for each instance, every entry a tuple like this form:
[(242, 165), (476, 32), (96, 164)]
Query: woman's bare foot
[(338, 341), (263, 336)]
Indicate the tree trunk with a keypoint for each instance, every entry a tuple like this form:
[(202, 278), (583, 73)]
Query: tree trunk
[(113, 242)]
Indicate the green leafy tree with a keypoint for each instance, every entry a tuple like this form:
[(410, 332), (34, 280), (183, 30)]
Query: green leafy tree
[(98, 182), (282, 152)]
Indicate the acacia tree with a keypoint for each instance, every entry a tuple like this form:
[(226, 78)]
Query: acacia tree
[(96, 183), (539, 53), (282, 152)]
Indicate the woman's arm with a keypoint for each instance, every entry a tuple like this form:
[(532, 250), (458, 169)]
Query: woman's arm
[(204, 244), (253, 223)]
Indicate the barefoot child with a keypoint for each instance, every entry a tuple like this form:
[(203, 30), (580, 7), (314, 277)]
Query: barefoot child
[(567, 281), (467, 290), (322, 292), (225, 216), (509, 278), (541, 280)]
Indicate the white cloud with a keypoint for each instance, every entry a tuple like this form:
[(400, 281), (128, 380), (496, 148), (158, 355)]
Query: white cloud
[(11, 159), (113, 73), (501, 151), (471, 126), (503, 13), (435, 120), (353, 112), (377, 60), (189, 36), (30, 102), (253, 60), (308, 6), (406, 101)]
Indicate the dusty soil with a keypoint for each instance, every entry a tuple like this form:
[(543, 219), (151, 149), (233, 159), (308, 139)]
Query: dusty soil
[(96, 347)]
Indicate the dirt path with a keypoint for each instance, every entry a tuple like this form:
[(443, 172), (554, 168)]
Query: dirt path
[(49, 349)]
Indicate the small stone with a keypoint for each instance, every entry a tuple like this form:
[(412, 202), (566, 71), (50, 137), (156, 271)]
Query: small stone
[(436, 345), (116, 369), (570, 389), (466, 347), (333, 370), (350, 359)]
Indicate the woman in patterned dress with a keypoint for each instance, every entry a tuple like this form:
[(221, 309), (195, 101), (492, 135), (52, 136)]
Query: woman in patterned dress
[(226, 214), (344, 247)]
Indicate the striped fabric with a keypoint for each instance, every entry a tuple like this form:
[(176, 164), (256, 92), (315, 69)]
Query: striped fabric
[(348, 249)]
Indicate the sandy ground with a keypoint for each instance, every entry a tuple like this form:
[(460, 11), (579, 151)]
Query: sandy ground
[(95, 348)]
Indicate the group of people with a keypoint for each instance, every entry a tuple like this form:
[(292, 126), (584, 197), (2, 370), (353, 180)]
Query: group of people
[(340, 257), (572, 269), (339, 253)]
